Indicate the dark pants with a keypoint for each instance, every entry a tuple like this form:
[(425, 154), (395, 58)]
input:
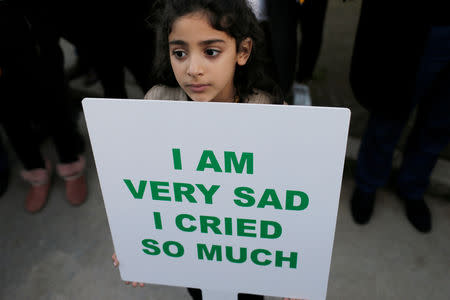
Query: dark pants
[(283, 19), (429, 136), (197, 295), (32, 89)]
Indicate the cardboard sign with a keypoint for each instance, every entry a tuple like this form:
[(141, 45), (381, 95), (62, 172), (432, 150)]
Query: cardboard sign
[(230, 198)]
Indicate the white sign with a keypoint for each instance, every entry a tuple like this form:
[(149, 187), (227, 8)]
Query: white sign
[(229, 198)]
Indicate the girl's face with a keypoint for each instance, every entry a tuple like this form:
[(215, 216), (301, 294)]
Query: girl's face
[(204, 59)]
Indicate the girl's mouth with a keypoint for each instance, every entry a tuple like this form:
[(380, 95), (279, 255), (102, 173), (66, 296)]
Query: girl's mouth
[(197, 88)]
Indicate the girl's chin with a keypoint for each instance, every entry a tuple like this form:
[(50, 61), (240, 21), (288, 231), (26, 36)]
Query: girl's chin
[(200, 98), (205, 98)]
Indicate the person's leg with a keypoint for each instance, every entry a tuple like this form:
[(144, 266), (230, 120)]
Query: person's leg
[(4, 169), (430, 135), (18, 62), (312, 18), (376, 152), (374, 163), (56, 114), (59, 119), (69, 146), (23, 139), (196, 294), (52, 108), (270, 68), (431, 131), (18, 108), (24, 143), (283, 32)]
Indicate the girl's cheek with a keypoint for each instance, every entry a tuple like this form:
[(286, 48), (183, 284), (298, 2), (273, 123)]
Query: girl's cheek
[(173, 65)]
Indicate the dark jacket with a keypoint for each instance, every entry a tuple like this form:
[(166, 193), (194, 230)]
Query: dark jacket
[(389, 42)]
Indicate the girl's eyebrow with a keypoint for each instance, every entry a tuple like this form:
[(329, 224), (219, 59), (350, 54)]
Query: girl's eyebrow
[(209, 42), (202, 43), (178, 42)]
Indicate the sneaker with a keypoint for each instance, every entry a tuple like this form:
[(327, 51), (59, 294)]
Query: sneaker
[(362, 204), (300, 94)]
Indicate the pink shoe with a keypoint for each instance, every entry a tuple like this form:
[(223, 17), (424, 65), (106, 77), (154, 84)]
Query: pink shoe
[(76, 188), (40, 185)]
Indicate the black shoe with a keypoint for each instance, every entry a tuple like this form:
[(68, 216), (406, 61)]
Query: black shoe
[(362, 206), (418, 214)]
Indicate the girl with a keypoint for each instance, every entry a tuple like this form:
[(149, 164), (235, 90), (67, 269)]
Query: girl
[(215, 53), (214, 48)]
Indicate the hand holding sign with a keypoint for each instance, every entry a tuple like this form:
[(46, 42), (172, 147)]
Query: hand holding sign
[(116, 264), (140, 284)]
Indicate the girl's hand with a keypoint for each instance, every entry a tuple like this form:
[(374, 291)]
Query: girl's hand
[(116, 263), (135, 284)]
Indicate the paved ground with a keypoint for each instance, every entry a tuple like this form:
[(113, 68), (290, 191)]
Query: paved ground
[(64, 252)]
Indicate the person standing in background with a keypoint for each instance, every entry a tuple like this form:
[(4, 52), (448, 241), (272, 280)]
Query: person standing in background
[(33, 94), (283, 19), (401, 61)]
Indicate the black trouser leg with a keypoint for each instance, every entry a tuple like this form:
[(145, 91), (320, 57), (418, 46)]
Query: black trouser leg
[(197, 295), (312, 17), (283, 32), (55, 112)]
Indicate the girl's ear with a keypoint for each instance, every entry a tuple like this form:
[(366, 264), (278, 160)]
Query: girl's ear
[(245, 49)]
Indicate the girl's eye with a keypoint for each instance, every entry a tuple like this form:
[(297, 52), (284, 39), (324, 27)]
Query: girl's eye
[(179, 53), (212, 52)]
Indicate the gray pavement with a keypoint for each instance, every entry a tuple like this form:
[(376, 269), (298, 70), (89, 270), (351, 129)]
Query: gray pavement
[(64, 252)]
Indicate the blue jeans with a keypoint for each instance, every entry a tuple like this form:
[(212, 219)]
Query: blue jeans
[(430, 133)]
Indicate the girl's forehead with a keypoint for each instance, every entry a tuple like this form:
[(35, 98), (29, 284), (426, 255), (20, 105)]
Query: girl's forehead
[(196, 26), (199, 15)]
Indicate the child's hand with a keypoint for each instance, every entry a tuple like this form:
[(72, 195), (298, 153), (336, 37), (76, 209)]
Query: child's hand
[(135, 284), (116, 263)]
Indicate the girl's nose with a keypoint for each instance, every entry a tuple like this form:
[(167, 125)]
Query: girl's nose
[(195, 67)]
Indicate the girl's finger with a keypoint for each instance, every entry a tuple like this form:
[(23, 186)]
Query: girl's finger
[(115, 260), (134, 284), (127, 282), (141, 284)]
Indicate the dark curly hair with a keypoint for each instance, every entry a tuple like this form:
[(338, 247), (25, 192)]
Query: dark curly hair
[(236, 18)]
